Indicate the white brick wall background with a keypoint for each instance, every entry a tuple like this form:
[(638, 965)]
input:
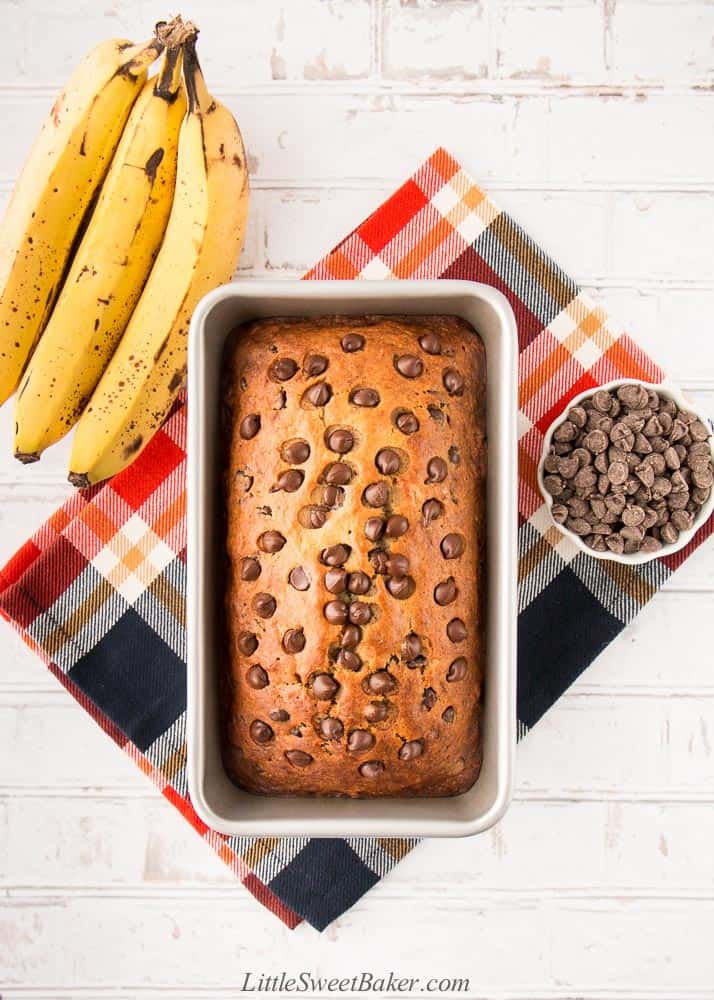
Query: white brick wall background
[(592, 122)]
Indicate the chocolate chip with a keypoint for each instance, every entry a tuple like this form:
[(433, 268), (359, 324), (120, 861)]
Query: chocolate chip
[(324, 686), (617, 473), (406, 422), (396, 564), (351, 636), (376, 711), (294, 640), (602, 401), (289, 481), (295, 452), (314, 365), (337, 474), (298, 758), (396, 526), (371, 768), (388, 461), (313, 516), (364, 397), (359, 613), (358, 583), (332, 496), (436, 414), (271, 541), (352, 342), (436, 470), (622, 436), (578, 415), (596, 441), (566, 431), (411, 646), (340, 440), (671, 458), (429, 699), (698, 431), (331, 729), (458, 669), (400, 587), (264, 605), (350, 660), (283, 369), (257, 677), (668, 533), (374, 528), (318, 394), (431, 510), (336, 612), (452, 546), (454, 455), (681, 519), (453, 382), (456, 630), (261, 732), (449, 714), (409, 366), (279, 715), (376, 494), (249, 426), (360, 740), (381, 682), (633, 396), (249, 569), (335, 555), (445, 592), (336, 580), (379, 559), (247, 643), (411, 750), (430, 342)]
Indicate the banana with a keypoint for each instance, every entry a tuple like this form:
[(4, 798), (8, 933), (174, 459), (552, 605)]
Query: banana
[(200, 251), (109, 268), (55, 190)]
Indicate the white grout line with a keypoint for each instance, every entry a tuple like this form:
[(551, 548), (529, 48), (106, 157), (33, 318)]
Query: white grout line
[(429, 88), (322, 185), (669, 795), (390, 890)]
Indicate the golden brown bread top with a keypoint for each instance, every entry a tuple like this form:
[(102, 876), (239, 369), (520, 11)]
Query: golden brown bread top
[(355, 520)]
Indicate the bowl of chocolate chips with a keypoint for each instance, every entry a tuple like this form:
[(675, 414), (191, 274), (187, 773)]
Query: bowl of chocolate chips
[(627, 471)]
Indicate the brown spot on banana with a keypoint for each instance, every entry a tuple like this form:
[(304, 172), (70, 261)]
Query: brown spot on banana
[(162, 348), (177, 380), (152, 164), (133, 446)]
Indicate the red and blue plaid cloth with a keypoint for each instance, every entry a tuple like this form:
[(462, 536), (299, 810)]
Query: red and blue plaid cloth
[(99, 591)]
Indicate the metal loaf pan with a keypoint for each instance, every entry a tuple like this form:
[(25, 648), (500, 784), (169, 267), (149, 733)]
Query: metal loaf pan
[(218, 802)]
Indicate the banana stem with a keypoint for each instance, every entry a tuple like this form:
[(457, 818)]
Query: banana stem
[(199, 100), (168, 81)]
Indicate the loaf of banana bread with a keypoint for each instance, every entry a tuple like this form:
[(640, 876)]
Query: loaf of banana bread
[(355, 533)]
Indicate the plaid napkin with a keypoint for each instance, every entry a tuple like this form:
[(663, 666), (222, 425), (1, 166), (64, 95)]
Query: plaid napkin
[(98, 592)]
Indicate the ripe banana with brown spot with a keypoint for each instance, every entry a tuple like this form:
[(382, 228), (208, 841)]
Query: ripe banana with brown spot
[(55, 190), (109, 269), (200, 251)]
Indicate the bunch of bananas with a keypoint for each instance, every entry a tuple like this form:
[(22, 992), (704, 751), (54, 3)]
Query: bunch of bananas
[(132, 206)]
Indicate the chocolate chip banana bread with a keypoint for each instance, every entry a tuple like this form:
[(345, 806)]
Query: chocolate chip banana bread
[(355, 536)]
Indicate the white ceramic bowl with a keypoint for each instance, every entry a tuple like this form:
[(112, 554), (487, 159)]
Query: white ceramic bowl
[(667, 390), (220, 803)]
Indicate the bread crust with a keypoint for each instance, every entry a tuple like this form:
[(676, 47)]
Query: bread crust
[(417, 749)]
